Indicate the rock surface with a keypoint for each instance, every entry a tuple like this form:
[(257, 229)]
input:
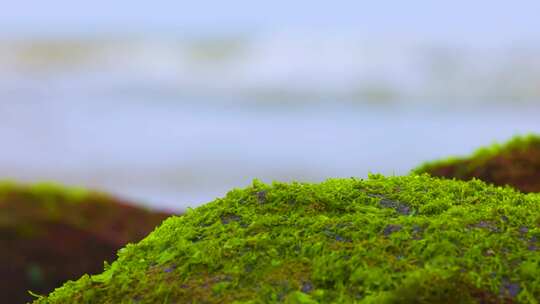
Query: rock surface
[(51, 234), (515, 163), (340, 241)]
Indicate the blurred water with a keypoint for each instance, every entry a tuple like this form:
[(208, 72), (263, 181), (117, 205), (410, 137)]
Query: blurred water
[(286, 67), (175, 121), (172, 155)]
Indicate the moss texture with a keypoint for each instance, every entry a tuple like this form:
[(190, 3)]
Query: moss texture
[(515, 163), (410, 239), (50, 234)]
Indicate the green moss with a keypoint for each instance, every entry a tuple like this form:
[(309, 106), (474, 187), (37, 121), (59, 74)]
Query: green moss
[(411, 239), (73, 194), (27, 206), (480, 156), (50, 233)]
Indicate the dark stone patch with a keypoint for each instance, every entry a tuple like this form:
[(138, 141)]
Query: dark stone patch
[(307, 287), (509, 289), (523, 229), (486, 225), (483, 224), (335, 236), (532, 243), (220, 278), (504, 218), (400, 207), (391, 229), (417, 232), (226, 219), (339, 238), (261, 196), (170, 268)]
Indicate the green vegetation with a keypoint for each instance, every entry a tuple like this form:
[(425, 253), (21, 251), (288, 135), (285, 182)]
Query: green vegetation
[(515, 163), (50, 234), (28, 208), (410, 239), (483, 154)]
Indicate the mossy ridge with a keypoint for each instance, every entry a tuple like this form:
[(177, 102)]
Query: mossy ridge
[(515, 163), (45, 189), (334, 242), (28, 206), (50, 234)]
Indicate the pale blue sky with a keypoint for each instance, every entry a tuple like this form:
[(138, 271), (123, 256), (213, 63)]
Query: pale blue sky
[(481, 21)]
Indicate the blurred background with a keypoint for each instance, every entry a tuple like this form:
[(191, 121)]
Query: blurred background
[(172, 103)]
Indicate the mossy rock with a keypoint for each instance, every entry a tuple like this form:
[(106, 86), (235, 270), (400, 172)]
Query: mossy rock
[(515, 163), (410, 239), (50, 234)]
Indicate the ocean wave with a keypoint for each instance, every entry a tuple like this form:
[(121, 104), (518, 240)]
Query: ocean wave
[(273, 67)]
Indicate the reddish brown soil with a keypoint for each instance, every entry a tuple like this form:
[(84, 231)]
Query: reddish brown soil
[(519, 168), (47, 240)]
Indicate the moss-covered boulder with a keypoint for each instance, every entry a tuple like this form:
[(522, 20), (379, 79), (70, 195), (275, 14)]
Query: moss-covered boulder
[(411, 239), (50, 234), (515, 163)]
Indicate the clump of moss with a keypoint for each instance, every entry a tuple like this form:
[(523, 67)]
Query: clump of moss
[(410, 239), (50, 234), (515, 163)]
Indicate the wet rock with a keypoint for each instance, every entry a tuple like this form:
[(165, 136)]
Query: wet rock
[(261, 196), (339, 238), (486, 225), (335, 236), (416, 232), (307, 287), (514, 164), (69, 233), (509, 288), (170, 268), (226, 219), (400, 207), (391, 229)]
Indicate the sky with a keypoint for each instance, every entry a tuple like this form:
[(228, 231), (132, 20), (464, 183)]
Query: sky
[(475, 21), (192, 151)]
